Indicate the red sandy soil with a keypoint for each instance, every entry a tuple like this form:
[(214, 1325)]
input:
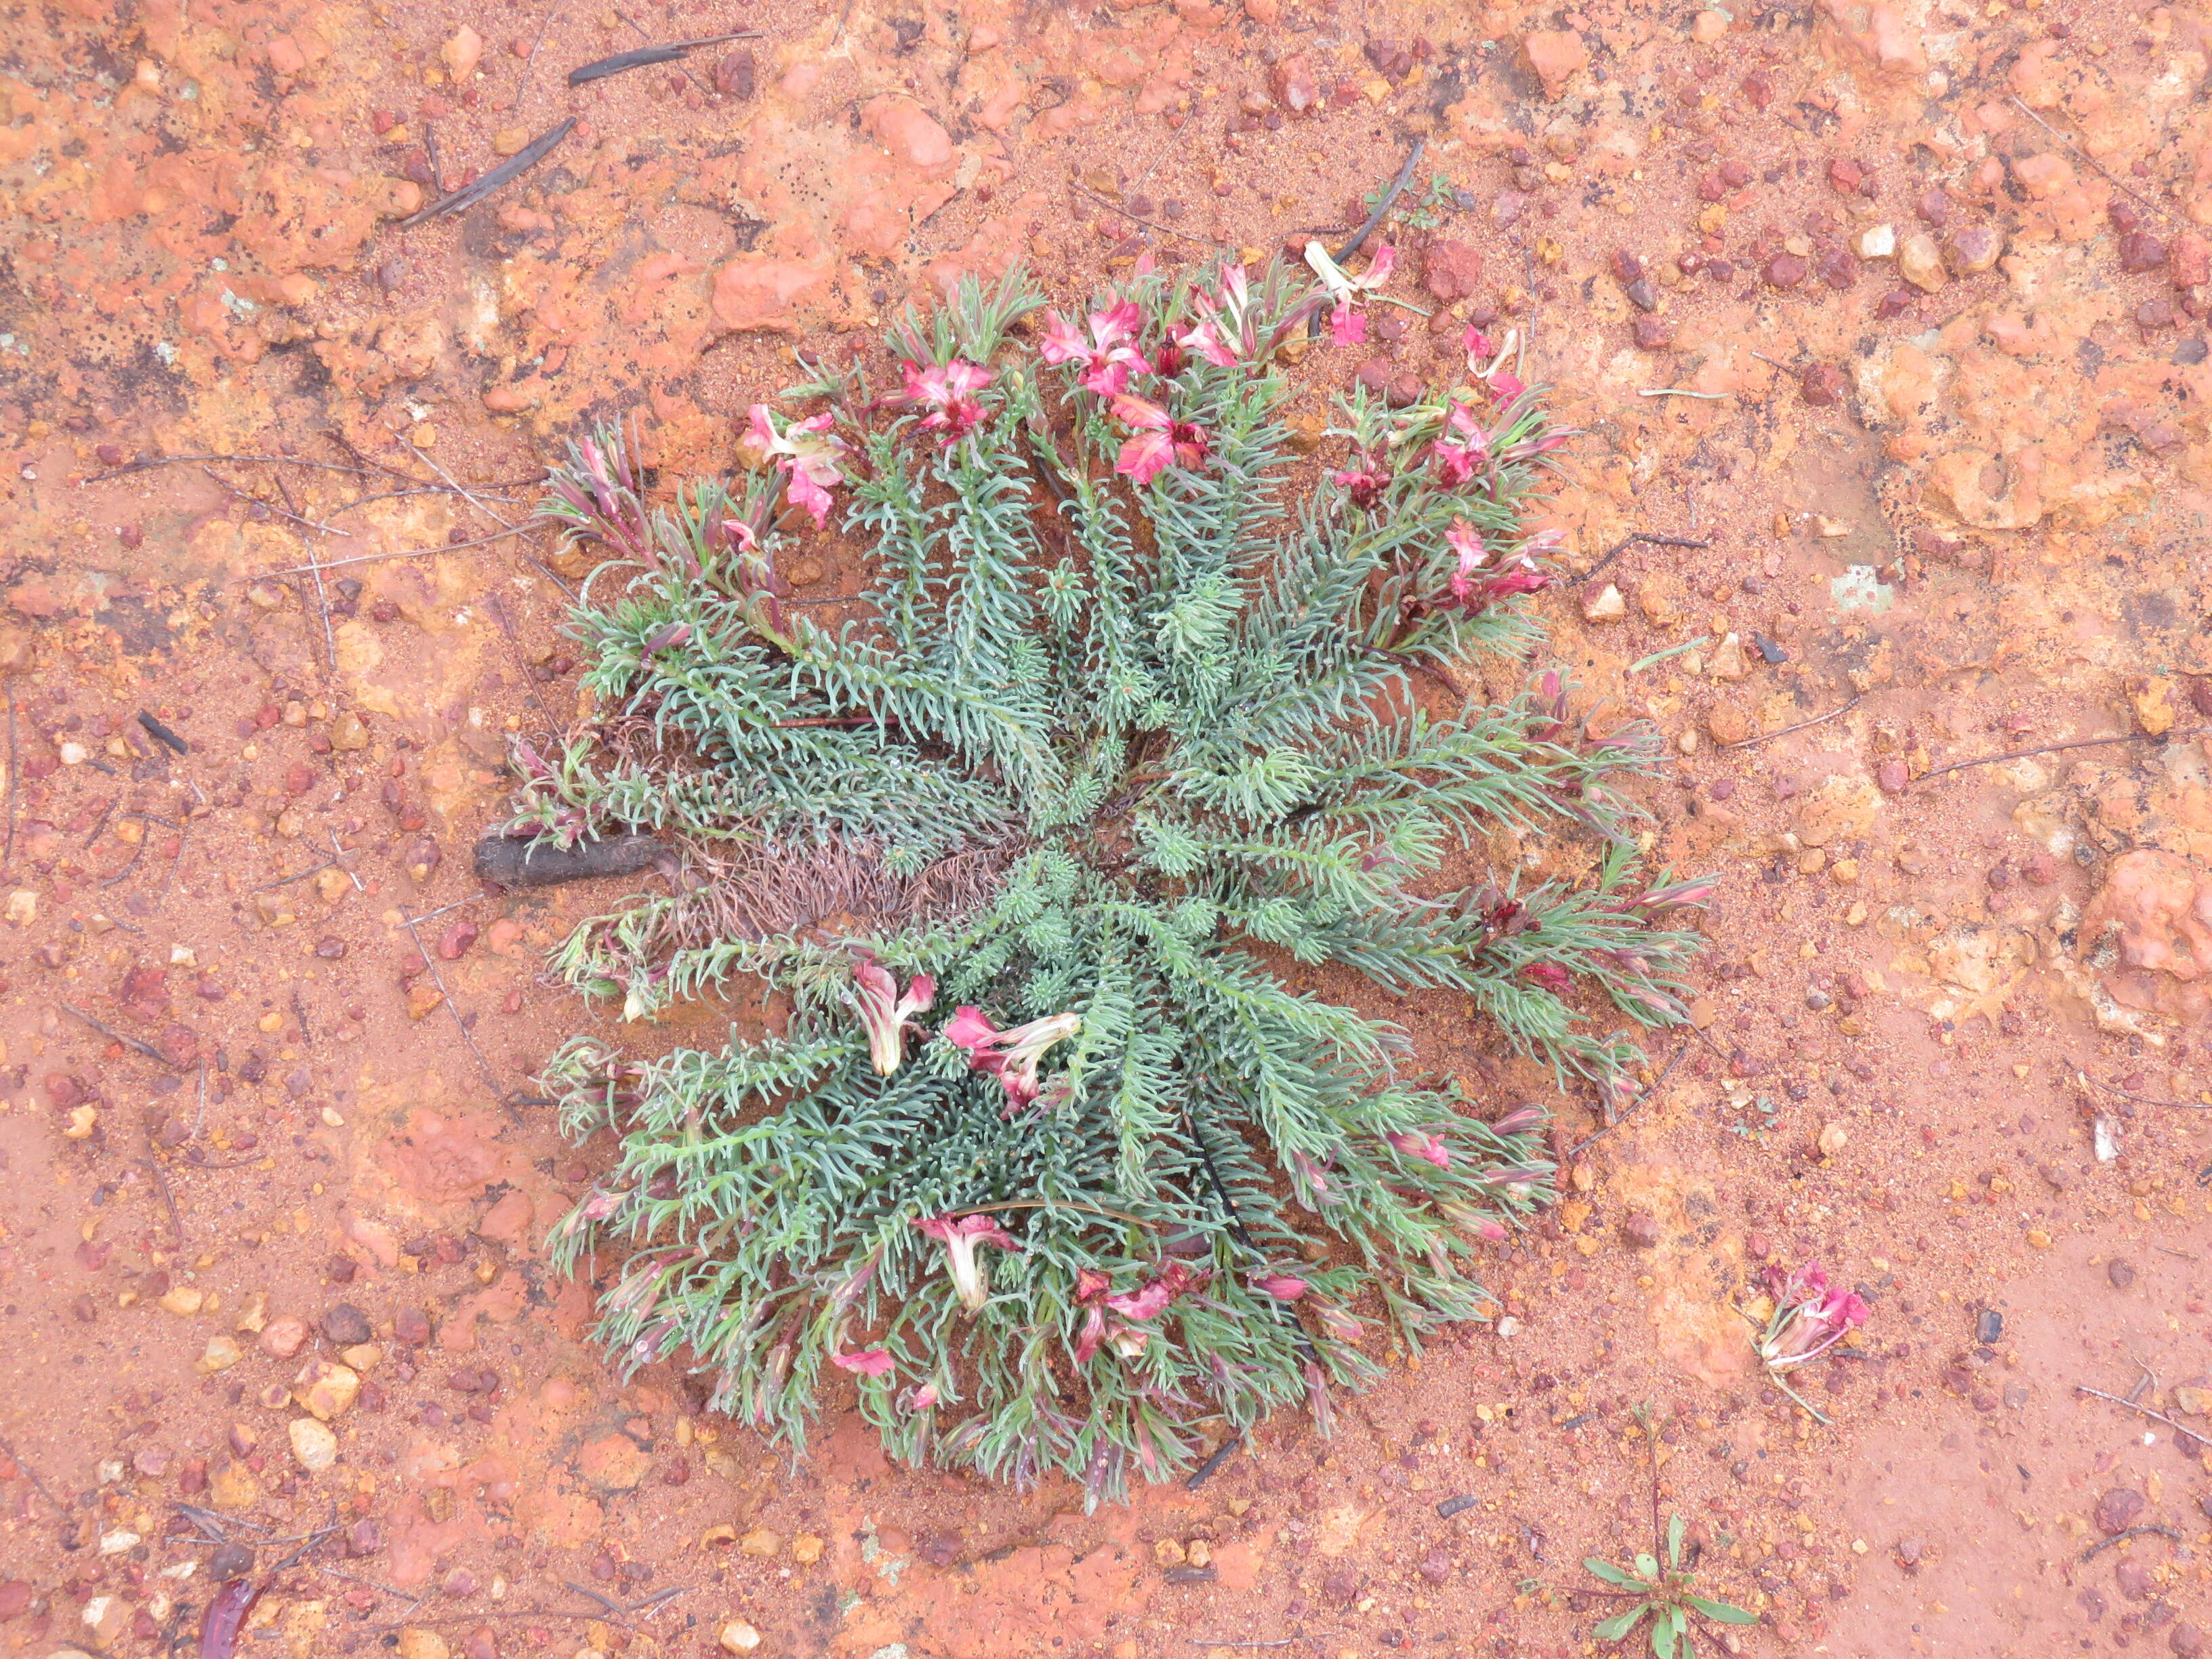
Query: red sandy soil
[(1923, 990)]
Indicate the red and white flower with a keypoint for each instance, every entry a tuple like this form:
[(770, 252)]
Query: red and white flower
[(1487, 364), (885, 1013), (962, 1236), (872, 1361), (1109, 353), (1346, 326), (1810, 1317), (807, 452), (1011, 1056)]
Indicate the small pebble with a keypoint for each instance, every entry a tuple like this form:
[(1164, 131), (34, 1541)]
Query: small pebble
[(2120, 1273)]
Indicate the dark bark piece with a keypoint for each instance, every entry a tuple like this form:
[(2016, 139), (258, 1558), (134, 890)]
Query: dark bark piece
[(513, 168), (506, 861)]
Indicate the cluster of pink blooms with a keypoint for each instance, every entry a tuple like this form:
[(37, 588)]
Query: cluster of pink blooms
[(1010, 1055)]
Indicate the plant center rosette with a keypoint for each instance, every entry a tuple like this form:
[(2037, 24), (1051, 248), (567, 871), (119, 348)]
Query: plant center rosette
[(1067, 848)]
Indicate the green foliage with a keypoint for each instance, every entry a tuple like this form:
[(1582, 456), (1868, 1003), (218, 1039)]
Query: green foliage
[(1662, 1595), (1154, 755), (1428, 211)]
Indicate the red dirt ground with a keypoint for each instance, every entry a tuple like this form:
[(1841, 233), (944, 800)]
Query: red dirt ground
[(1925, 994)]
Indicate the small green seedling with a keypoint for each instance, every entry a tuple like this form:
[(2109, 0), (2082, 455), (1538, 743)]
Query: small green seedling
[(1664, 1596), (1436, 205)]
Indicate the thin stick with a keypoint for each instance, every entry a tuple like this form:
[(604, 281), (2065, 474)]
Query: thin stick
[(199, 1111), (2152, 1529), (1801, 726), (322, 597), (530, 62), (614, 1609), (2092, 161), (2056, 748), (141, 465), (474, 499), (437, 168), (654, 1602), (529, 682), (490, 1077), (184, 833), (1642, 1094), (269, 506), (2141, 1100), (286, 881), (442, 909), (377, 558), (14, 776), (30, 1476), (1681, 391), (154, 1168), (2083, 1387), (1645, 536), (1154, 224), (114, 1035), (1210, 1641)]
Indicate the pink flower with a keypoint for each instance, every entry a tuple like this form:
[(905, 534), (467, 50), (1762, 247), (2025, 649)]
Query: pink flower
[(886, 1014), (1503, 384), (1284, 1287), (1010, 1056), (1339, 1323), (1316, 1181), (1152, 1298), (948, 394), (1345, 324), (1205, 339), (1549, 974), (807, 451), (1090, 1288), (1223, 334), (1160, 440), (666, 637), (1809, 1317), (874, 1362), (1472, 592), (962, 1236), (1519, 1120), (1464, 541), (1424, 1146), (1110, 355), (1462, 449), (1364, 482), (1679, 895), (911, 1400)]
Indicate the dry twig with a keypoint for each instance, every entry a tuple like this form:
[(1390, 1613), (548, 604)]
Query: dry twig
[(2056, 748), (1801, 726), (2158, 1417), (114, 1035)]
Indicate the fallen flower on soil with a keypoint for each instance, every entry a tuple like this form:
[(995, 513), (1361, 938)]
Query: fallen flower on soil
[(1809, 1318)]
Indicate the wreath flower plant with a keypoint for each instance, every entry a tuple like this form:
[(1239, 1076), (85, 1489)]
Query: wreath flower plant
[(1057, 1155)]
